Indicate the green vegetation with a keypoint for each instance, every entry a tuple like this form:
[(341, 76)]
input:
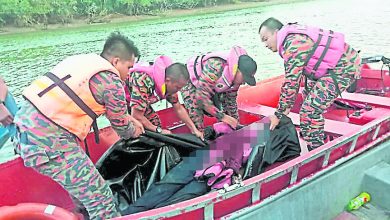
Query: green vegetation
[(24, 13)]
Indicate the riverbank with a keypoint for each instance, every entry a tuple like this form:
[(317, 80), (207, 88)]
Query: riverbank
[(118, 19)]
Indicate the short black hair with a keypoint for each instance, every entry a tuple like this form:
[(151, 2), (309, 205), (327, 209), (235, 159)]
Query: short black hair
[(177, 71), (118, 45), (272, 24)]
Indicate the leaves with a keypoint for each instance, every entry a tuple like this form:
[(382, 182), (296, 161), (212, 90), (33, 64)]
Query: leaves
[(28, 12)]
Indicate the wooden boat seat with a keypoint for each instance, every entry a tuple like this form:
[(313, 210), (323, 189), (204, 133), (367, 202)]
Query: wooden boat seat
[(331, 126), (365, 98)]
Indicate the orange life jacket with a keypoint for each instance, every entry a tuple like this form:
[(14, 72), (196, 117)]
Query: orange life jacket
[(63, 94)]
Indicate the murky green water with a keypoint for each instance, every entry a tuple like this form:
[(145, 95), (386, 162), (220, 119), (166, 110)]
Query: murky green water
[(366, 24)]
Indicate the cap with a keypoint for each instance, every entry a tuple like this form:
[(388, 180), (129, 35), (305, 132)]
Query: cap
[(247, 67)]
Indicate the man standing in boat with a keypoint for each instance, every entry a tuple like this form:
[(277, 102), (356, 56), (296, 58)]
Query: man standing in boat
[(215, 79), (62, 106), (151, 83), (323, 59)]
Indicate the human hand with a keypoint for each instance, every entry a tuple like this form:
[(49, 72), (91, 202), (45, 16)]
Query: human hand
[(274, 121), (6, 117), (198, 134), (138, 127), (165, 131), (230, 121)]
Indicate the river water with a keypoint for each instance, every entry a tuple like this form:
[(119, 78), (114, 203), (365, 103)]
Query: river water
[(366, 25)]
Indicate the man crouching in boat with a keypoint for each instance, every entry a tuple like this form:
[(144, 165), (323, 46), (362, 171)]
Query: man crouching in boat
[(323, 59), (217, 76), (62, 106), (151, 83)]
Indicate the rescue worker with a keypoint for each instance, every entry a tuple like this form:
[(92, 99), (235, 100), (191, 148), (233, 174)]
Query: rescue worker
[(6, 117), (61, 107), (214, 80), (8, 109), (151, 83), (323, 59)]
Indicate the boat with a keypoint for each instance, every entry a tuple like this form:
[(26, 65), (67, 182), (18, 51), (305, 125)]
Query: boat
[(315, 185)]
